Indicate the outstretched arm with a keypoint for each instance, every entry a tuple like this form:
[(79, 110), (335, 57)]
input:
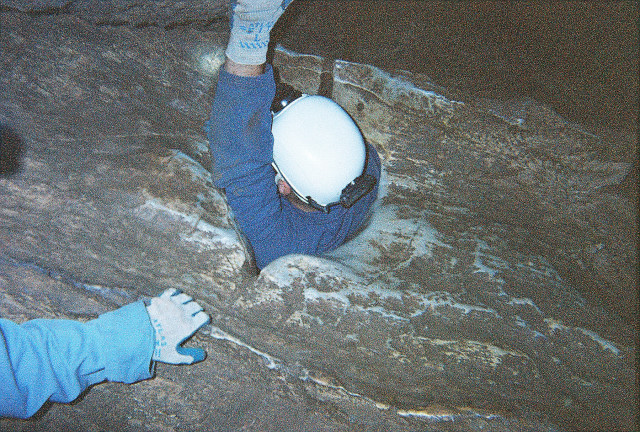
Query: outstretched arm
[(239, 129), (57, 360)]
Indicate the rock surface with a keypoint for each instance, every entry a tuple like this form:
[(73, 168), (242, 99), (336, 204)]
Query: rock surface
[(492, 288), (164, 14)]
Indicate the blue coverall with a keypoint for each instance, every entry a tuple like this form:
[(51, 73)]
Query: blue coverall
[(57, 360), (241, 144)]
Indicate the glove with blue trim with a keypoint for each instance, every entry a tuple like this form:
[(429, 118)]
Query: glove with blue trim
[(251, 23), (175, 318)]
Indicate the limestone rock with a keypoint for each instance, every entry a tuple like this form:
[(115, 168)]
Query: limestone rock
[(133, 13)]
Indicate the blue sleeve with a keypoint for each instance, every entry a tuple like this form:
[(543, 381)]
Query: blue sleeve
[(57, 360), (241, 144)]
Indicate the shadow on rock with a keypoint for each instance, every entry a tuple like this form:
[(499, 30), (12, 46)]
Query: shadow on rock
[(11, 150)]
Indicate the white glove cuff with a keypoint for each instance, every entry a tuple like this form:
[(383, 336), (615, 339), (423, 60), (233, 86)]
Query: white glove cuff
[(250, 28), (244, 51)]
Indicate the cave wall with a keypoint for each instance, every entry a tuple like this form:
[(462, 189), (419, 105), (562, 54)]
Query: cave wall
[(494, 285)]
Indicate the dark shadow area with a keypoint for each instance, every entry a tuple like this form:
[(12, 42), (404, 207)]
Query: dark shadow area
[(11, 151), (579, 57)]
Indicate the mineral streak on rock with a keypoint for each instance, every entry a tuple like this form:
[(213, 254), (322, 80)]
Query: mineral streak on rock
[(466, 303)]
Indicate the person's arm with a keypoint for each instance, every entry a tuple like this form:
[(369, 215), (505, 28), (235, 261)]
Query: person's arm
[(239, 129), (58, 359), (241, 144)]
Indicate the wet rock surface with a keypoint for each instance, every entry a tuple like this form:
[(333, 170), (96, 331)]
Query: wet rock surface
[(493, 288)]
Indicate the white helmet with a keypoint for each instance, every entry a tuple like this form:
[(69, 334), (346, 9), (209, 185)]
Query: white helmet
[(319, 151)]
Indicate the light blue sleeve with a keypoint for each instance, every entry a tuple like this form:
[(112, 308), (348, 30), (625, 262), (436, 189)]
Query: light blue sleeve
[(57, 360)]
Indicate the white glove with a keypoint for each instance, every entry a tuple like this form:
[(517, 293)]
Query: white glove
[(251, 23), (175, 317)]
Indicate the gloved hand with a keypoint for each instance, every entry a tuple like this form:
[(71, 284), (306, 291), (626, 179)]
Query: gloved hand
[(251, 23), (175, 317)]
